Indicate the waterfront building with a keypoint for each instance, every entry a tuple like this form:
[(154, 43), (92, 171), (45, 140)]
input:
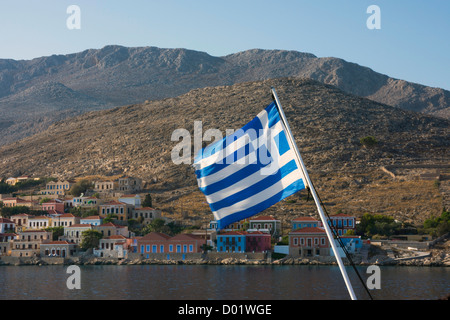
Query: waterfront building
[(28, 243), (115, 246), (257, 241), (309, 242), (60, 249), (231, 241), (156, 242)]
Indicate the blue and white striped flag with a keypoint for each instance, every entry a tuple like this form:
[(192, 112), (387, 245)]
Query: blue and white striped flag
[(250, 170)]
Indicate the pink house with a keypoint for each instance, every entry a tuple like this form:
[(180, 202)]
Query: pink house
[(53, 206), (257, 241), (309, 242)]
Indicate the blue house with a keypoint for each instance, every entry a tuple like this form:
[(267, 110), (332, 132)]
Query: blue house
[(353, 244), (233, 241), (305, 222)]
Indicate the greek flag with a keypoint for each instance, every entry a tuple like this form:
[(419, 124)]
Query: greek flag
[(249, 170)]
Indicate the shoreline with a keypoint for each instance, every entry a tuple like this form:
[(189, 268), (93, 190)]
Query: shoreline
[(91, 260)]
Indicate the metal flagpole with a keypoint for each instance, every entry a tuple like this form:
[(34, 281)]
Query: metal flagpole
[(316, 200)]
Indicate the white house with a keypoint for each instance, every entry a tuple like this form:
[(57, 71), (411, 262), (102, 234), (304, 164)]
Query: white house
[(131, 199), (6, 225), (92, 220)]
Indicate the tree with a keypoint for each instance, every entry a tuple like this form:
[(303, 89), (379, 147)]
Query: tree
[(80, 187), (56, 232), (90, 239), (368, 141), (147, 201), (110, 218)]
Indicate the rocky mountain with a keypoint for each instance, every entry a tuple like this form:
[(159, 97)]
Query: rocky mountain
[(327, 123), (35, 93)]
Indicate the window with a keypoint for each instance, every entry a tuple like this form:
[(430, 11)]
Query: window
[(171, 248), (178, 248), (154, 248), (295, 241), (302, 241), (191, 248), (185, 248), (148, 248), (161, 248), (345, 222), (316, 241), (350, 223), (322, 241)]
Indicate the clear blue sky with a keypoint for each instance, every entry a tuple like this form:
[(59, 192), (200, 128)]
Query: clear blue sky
[(413, 43)]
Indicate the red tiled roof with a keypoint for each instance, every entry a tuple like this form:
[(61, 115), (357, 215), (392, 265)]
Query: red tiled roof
[(309, 230), (56, 242), (79, 226), (305, 219), (186, 236), (67, 215), (144, 208), (115, 237), (155, 236), (113, 203), (4, 220), (263, 218), (92, 218)]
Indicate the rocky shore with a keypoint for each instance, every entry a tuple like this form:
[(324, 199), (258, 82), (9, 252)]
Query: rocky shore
[(441, 260)]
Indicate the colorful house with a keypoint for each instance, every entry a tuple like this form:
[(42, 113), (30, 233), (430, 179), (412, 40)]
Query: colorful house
[(156, 242), (305, 222), (231, 241), (55, 205), (257, 241), (343, 223)]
